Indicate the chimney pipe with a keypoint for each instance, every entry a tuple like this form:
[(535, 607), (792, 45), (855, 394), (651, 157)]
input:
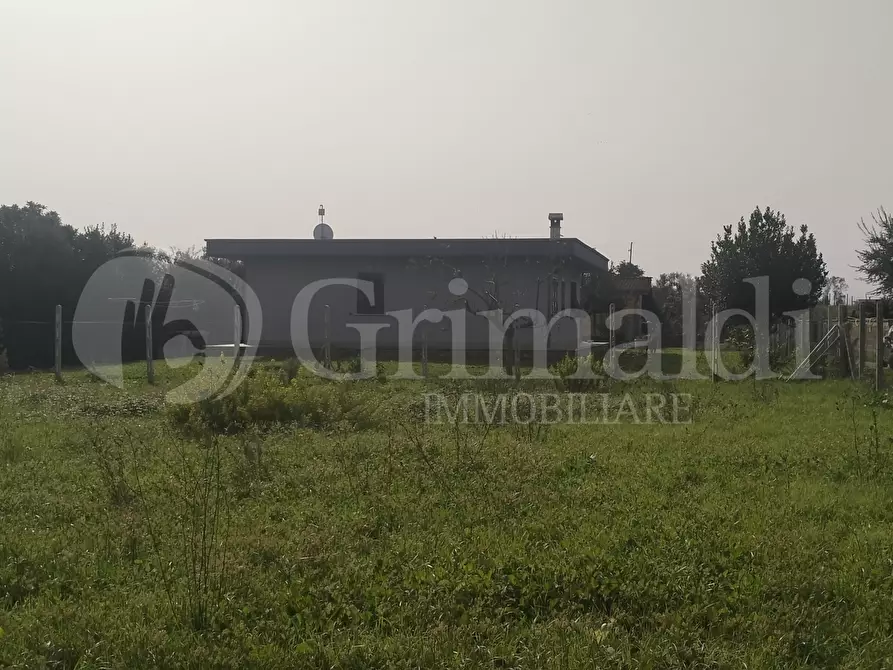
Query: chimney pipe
[(555, 225)]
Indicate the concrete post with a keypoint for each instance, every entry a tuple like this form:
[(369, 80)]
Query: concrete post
[(424, 347), (714, 351), (57, 349), (516, 356), (515, 352), (862, 343), (237, 331), (843, 339), (327, 348), (879, 347), (150, 354)]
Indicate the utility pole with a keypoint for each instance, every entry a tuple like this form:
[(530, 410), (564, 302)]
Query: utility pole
[(630, 253)]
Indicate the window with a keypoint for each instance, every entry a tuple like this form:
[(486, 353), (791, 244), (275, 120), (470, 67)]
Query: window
[(575, 299), (563, 304), (363, 306)]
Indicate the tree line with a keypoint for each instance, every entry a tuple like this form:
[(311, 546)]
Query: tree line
[(44, 262), (761, 245)]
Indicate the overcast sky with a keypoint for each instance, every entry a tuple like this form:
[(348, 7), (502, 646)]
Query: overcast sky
[(646, 122)]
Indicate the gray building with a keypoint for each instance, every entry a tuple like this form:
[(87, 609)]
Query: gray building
[(545, 274)]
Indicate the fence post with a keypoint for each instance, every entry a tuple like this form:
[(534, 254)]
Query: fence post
[(844, 341), (516, 355), (424, 346), (237, 331), (150, 354), (792, 343), (327, 348), (879, 347), (805, 342), (714, 339), (57, 350), (611, 336), (862, 344)]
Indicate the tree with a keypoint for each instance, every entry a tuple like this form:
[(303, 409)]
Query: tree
[(876, 260), (764, 246), (668, 294), (835, 292), (627, 270), (599, 290), (44, 262), (602, 288)]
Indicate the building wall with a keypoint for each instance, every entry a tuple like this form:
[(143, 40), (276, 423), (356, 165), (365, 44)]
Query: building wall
[(407, 284)]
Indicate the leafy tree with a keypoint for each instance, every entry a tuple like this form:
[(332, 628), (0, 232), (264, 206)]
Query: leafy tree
[(668, 293), (599, 290), (236, 267), (876, 260), (835, 292), (627, 270), (44, 262), (764, 246), (603, 288)]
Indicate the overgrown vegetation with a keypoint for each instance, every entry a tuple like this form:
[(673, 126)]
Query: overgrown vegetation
[(302, 523), (267, 398)]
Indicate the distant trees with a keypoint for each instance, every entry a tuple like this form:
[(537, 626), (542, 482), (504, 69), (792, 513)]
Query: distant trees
[(764, 246), (627, 270), (601, 289), (835, 292), (668, 294), (876, 260), (44, 262)]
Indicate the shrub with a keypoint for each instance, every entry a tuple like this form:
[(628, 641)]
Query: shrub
[(265, 398), (778, 356), (568, 366), (291, 368), (354, 365)]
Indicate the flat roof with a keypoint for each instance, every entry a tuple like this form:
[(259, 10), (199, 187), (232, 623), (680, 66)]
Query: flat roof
[(239, 249)]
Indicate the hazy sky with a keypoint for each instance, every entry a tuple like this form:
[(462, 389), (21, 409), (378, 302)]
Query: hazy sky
[(646, 122)]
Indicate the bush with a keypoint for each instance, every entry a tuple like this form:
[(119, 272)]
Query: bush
[(568, 366), (265, 398), (742, 340), (290, 368), (354, 365)]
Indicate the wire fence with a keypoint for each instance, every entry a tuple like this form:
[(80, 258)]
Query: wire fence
[(31, 344), (49, 344), (42, 343)]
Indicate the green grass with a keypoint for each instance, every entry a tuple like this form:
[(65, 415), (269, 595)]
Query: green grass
[(758, 535)]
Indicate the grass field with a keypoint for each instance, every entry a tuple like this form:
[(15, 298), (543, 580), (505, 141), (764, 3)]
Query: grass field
[(348, 534)]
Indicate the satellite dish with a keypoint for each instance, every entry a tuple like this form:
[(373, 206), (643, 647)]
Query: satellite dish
[(323, 231)]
